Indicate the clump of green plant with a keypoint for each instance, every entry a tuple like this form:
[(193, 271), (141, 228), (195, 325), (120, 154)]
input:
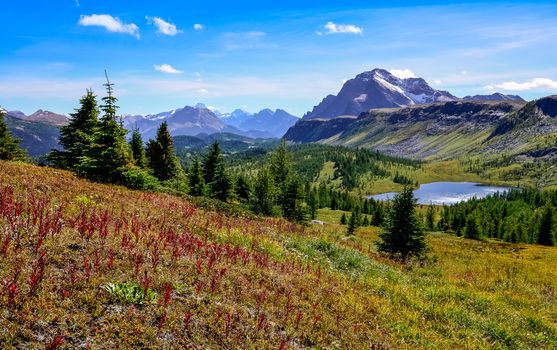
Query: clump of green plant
[(85, 201), (130, 293)]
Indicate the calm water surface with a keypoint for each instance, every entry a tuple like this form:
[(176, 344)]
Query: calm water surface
[(447, 192)]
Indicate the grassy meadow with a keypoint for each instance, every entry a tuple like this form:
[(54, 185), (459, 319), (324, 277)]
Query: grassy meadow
[(85, 265)]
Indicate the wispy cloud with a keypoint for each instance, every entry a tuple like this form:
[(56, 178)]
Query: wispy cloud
[(242, 40), (167, 69), (403, 73), (198, 26), (542, 84), (334, 28), (163, 26), (112, 24)]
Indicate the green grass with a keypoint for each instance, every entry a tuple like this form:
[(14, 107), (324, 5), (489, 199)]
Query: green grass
[(250, 283), (331, 216)]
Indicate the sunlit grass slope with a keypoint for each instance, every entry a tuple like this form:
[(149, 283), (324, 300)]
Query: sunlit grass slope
[(70, 251)]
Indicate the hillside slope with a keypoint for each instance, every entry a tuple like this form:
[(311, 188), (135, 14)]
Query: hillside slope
[(37, 138), (231, 282), (441, 130)]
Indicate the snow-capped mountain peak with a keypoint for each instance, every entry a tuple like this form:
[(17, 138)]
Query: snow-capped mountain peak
[(377, 88)]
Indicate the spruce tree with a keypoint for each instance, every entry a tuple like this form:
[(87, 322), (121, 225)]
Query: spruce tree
[(161, 156), (343, 219), (471, 228), (110, 153), (280, 164), (378, 215), (263, 193), (293, 206), (358, 215), (403, 234), (365, 221), (545, 231), (211, 161), (243, 188), (312, 204), (221, 186), (196, 181), (430, 218), (77, 137), (9, 146), (138, 149), (351, 229)]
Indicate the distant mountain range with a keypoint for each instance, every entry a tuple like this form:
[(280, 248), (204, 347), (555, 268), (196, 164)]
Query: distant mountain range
[(200, 119), (38, 132), (42, 117), (375, 109), (381, 89), (494, 97), (182, 121)]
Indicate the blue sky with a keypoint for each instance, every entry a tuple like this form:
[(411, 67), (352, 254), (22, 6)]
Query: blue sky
[(252, 54)]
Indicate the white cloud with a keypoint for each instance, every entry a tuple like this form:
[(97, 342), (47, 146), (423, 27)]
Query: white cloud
[(533, 84), (163, 26), (333, 28), (203, 91), (463, 72), (112, 24), (167, 69), (198, 26), (402, 73)]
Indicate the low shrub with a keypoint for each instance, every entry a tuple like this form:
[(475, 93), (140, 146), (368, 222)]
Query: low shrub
[(139, 179)]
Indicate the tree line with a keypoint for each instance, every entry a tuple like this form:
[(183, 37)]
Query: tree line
[(519, 215)]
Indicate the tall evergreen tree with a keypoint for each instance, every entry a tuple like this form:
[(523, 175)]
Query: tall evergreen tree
[(138, 149), (378, 215), (211, 162), (365, 221), (243, 188), (352, 224), (161, 156), (196, 181), (77, 137), (430, 218), (545, 232), (403, 232), (358, 215), (471, 228), (280, 164), (263, 193), (221, 186), (9, 146), (110, 153), (293, 206), (343, 219), (312, 203)]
